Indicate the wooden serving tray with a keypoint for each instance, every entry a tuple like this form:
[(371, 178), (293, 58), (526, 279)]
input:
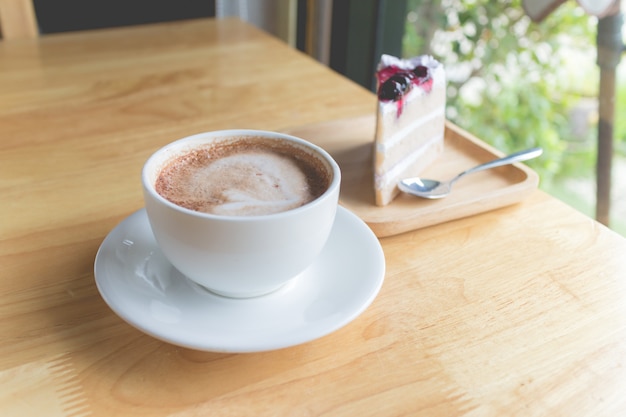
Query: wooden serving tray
[(349, 141)]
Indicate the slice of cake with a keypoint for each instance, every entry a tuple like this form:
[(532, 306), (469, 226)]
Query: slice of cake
[(410, 120)]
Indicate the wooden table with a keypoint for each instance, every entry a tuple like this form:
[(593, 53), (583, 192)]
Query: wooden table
[(515, 312)]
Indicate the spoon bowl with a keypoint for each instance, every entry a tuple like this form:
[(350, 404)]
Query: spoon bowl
[(433, 189)]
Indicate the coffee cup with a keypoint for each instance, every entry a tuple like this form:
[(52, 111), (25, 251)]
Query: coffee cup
[(241, 212)]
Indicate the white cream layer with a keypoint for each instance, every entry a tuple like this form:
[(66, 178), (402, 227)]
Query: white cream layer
[(401, 134), (383, 180)]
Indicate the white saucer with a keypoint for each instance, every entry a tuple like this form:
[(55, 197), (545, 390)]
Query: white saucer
[(141, 286)]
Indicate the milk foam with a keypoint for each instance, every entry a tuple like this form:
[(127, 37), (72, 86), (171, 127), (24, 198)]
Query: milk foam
[(246, 182)]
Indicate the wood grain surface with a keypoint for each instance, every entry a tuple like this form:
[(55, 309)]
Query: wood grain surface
[(519, 311)]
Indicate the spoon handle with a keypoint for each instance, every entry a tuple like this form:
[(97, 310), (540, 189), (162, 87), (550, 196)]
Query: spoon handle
[(510, 159)]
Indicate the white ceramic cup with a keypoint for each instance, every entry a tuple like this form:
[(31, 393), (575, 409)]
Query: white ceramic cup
[(240, 256)]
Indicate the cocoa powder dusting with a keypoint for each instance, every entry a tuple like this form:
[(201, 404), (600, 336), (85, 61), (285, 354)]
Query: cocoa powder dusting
[(243, 176)]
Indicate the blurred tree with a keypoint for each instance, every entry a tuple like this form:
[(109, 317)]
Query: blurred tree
[(511, 82)]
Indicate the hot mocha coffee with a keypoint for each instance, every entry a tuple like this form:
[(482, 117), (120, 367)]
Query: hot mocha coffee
[(243, 177)]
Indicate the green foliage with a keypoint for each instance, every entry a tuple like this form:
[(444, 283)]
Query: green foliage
[(509, 81)]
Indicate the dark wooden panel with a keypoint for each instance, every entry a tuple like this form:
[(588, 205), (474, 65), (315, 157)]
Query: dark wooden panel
[(70, 15)]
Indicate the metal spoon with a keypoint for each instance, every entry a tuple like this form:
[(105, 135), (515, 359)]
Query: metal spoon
[(432, 189)]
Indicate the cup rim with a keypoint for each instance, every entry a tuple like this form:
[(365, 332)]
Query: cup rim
[(148, 184)]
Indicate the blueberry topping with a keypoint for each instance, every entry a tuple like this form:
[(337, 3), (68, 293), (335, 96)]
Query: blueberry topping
[(400, 81), (421, 71), (395, 86)]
